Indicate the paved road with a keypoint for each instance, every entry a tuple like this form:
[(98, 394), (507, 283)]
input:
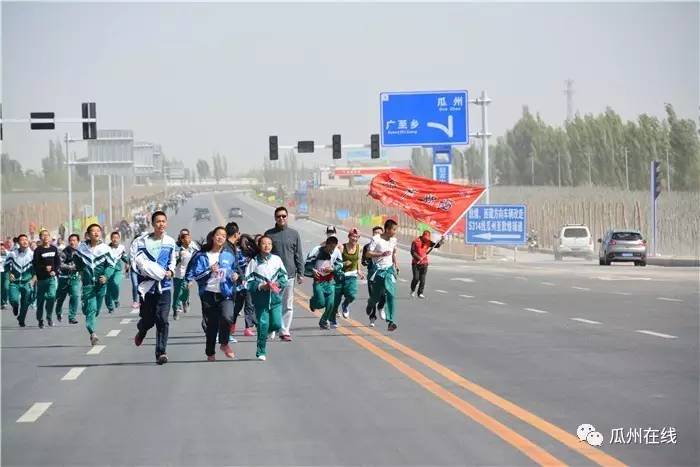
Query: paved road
[(498, 366)]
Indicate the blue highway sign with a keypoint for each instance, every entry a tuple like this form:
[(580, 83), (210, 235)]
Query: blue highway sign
[(424, 118), (496, 224)]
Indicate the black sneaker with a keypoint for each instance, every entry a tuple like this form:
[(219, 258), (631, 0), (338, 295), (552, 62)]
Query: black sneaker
[(73, 321), (15, 312), (163, 359), (392, 327), (21, 324), (58, 318), (49, 322), (41, 325), (324, 326)]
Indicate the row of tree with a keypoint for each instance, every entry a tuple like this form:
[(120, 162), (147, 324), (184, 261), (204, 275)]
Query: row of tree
[(598, 150)]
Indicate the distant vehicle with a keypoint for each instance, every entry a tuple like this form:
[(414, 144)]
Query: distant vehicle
[(235, 212), (302, 205), (201, 214), (622, 245), (573, 240)]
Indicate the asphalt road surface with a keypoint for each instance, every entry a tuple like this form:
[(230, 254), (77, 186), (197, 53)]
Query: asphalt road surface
[(499, 365)]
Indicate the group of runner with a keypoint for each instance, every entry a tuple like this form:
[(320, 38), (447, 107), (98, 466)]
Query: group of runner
[(234, 273)]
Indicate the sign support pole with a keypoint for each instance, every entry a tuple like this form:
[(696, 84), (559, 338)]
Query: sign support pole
[(92, 193), (109, 189), (70, 189)]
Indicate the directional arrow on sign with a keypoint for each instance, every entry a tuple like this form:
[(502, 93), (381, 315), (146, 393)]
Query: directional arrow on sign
[(449, 129), (489, 236)]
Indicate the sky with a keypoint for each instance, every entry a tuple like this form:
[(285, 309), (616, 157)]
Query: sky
[(200, 78)]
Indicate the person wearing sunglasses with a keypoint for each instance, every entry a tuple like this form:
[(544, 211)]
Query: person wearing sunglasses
[(287, 245)]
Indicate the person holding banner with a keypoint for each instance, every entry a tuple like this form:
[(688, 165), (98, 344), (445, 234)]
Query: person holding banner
[(369, 264), (420, 249), (383, 252)]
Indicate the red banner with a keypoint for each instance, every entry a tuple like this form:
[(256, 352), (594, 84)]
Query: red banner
[(438, 204)]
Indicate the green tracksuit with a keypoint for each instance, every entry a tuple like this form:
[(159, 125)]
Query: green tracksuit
[(268, 305), (346, 283), (92, 263), (114, 274), (68, 284), (20, 266), (324, 288), (384, 282)]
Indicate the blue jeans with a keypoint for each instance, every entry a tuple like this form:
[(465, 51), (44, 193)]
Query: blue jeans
[(134, 286)]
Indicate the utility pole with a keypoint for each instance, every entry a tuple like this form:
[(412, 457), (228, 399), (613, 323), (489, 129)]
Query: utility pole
[(569, 91), (559, 168), (627, 171), (590, 180), (532, 169), (668, 172)]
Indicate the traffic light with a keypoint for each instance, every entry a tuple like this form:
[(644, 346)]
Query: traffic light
[(656, 178), (305, 147), (374, 146), (274, 149), (89, 128), (336, 147)]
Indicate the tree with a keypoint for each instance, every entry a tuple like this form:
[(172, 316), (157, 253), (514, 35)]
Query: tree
[(684, 152), (203, 169)]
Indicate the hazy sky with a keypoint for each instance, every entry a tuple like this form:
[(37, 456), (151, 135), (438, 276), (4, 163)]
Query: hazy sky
[(199, 78)]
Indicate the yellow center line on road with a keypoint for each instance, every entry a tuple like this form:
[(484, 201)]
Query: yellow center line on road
[(564, 437), (524, 445)]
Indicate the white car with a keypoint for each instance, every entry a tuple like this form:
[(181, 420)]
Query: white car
[(573, 240)]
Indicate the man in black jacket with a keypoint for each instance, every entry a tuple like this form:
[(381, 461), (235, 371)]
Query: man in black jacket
[(68, 281), (47, 262)]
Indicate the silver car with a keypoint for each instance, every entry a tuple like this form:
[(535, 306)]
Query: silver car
[(622, 245)]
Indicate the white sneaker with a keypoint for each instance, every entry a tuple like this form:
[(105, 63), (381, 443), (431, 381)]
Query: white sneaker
[(262, 358), (413, 294), (371, 323), (272, 335), (346, 315), (421, 295), (382, 315)]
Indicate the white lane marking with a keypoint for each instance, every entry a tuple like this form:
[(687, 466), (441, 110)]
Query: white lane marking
[(467, 296), (586, 289), (521, 278), (114, 333), (73, 373), (133, 312), (402, 279), (657, 334), (496, 302), (666, 299), (125, 321), (622, 293), (547, 283), (587, 321), (536, 310), (462, 279), (34, 412), (440, 291), (96, 349)]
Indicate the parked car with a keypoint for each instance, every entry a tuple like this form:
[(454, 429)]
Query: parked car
[(235, 212), (622, 245), (201, 214), (573, 240)]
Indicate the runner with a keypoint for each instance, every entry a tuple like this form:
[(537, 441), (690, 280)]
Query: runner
[(383, 252), (420, 249), (215, 270), (346, 283), (247, 250), (153, 259), (184, 250), (4, 278), (91, 262), (287, 245), (47, 261), (265, 278), (369, 264), (324, 264), (233, 234), (21, 274), (68, 281), (117, 256)]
